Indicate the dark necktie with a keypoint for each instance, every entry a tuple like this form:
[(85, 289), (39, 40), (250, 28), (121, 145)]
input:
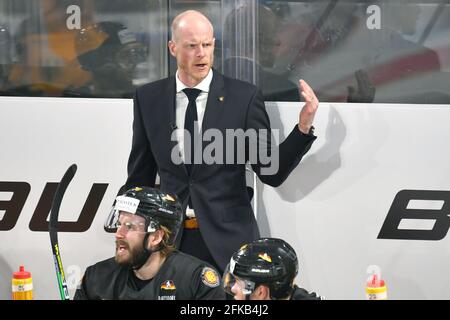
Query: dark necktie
[(189, 121)]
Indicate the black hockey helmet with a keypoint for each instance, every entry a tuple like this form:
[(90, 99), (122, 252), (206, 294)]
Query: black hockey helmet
[(156, 207), (268, 261), (108, 42)]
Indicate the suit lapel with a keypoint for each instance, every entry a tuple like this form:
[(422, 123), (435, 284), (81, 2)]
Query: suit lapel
[(214, 106), (215, 102)]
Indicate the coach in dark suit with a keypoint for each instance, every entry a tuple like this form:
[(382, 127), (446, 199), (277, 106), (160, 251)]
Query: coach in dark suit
[(219, 216)]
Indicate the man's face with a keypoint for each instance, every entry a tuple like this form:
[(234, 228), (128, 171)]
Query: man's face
[(193, 47), (129, 238)]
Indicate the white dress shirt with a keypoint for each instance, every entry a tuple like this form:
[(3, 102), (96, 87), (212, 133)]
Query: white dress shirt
[(182, 102)]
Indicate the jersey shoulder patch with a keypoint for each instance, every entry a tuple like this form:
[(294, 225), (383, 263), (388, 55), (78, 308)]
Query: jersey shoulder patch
[(210, 277), (168, 285)]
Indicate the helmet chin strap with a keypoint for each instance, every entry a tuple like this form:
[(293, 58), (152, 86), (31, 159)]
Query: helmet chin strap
[(145, 254)]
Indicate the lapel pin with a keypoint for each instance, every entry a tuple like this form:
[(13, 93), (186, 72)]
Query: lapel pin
[(221, 98)]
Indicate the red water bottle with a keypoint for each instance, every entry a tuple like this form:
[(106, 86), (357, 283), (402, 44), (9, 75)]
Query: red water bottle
[(22, 285), (376, 288)]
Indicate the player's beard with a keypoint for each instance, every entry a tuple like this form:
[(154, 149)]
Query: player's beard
[(131, 255)]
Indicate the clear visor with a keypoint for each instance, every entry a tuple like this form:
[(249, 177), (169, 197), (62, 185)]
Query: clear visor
[(233, 285), (120, 221), (112, 222), (122, 217)]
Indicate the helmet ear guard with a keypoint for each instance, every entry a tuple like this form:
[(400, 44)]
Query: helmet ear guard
[(152, 226)]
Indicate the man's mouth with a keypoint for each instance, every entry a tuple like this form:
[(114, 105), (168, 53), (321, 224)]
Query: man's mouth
[(201, 65), (121, 247)]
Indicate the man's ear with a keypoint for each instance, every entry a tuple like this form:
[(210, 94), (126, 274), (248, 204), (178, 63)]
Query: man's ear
[(155, 238), (172, 48), (262, 292)]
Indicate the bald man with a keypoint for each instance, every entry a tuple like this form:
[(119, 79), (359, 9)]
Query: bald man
[(197, 102)]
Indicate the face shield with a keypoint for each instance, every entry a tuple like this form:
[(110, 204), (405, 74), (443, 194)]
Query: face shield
[(233, 285), (123, 217)]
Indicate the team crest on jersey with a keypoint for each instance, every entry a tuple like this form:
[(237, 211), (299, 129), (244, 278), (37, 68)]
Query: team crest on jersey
[(210, 277), (265, 257), (167, 291), (168, 285)]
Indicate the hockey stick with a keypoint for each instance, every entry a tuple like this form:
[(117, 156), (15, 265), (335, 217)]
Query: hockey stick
[(53, 230)]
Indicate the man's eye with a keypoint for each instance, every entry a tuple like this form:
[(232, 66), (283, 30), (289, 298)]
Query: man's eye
[(128, 225)]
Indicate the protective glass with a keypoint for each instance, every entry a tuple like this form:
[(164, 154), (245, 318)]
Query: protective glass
[(128, 225), (122, 215), (124, 223), (229, 282)]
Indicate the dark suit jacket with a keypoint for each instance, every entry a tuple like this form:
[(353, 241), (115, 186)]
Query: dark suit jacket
[(218, 191)]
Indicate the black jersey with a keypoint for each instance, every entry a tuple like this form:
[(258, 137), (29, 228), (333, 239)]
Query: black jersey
[(302, 294), (181, 276)]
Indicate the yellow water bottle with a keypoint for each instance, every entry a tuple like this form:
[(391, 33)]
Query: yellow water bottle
[(22, 285)]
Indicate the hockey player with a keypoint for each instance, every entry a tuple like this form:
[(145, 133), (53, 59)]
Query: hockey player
[(110, 52), (146, 264), (264, 269)]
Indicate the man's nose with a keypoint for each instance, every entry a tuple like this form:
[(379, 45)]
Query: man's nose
[(201, 51), (119, 233)]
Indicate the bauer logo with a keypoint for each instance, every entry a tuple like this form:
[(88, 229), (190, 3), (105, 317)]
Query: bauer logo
[(418, 215), (14, 194)]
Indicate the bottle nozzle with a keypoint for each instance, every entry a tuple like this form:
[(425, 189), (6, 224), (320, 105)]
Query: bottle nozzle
[(374, 280)]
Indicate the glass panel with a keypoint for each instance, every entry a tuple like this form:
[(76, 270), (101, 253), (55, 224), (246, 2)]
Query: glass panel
[(356, 51), (251, 42), (81, 48), (239, 40)]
